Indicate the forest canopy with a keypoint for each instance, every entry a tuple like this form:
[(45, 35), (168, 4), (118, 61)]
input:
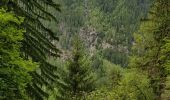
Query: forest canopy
[(84, 50)]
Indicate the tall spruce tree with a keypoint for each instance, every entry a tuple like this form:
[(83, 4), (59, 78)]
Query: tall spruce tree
[(37, 43), (14, 70), (80, 78)]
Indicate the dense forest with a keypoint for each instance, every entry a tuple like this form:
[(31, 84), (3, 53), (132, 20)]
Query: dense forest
[(84, 49)]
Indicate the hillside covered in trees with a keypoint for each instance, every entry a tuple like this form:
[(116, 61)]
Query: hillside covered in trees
[(84, 49)]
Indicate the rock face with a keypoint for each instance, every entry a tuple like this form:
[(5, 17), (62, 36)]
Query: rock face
[(90, 38), (65, 55)]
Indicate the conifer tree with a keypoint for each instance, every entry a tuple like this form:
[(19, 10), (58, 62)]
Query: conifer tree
[(37, 43), (14, 70), (80, 78)]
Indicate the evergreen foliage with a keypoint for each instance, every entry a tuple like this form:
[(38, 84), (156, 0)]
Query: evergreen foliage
[(37, 43), (14, 70), (114, 21), (109, 75), (111, 50), (165, 51), (133, 85), (150, 43), (80, 77)]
